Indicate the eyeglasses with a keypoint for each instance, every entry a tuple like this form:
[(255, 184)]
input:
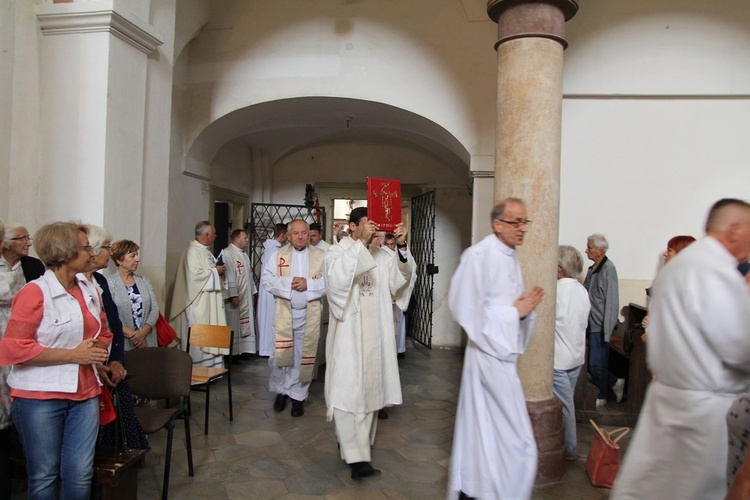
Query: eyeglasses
[(24, 239), (88, 248), (97, 250), (517, 223)]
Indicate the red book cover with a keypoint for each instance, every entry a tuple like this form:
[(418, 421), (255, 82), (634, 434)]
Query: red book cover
[(384, 203)]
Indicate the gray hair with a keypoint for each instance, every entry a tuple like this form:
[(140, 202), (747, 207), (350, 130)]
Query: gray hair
[(12, 229), (97, 237), (599, 241), (570, 260), (202, 228), (498, 211)]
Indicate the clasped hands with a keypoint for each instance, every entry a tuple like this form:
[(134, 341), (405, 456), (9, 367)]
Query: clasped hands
[(136, 337), (299, 284)]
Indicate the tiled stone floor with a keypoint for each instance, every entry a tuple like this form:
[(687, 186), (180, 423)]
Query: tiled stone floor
[(267, 455)]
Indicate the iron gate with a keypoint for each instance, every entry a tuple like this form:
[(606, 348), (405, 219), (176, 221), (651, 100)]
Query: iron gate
[(422, 243), (263, 218)]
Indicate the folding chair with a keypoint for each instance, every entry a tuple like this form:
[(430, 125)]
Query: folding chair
[(162, 373), (220, 337)]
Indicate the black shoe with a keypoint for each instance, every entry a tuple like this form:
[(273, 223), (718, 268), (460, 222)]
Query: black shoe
[(401, 355), (245, 356), (363, 469), (382, 414), (462, 496), (297, 410), (280, 403)]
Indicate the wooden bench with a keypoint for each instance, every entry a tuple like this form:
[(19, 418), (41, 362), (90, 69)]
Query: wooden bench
[(115, 472), (627, 359)]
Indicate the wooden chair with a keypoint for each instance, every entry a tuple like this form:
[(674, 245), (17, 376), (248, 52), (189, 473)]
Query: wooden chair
[(220, 337), (162, 373)]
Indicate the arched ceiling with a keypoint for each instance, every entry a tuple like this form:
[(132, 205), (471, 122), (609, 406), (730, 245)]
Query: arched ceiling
[(288, 125)]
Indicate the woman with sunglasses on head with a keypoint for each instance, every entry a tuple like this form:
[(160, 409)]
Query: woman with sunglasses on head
[(56, 335)]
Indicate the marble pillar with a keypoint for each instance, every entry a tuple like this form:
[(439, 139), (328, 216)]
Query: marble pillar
[(527, 165)]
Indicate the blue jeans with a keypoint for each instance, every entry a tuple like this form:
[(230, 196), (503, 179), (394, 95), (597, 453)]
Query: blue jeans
[(564, 386), (599, 363), (58, 438)]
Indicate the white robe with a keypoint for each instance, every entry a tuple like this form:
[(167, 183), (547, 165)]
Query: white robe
[(238, 282), (361, 367), (699, 352), (285, 379), (399, 313), (266, 344), (494, 452), (323, 245), (198, 298)]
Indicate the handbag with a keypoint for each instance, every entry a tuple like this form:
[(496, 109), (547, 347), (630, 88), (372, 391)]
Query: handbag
[(107, 413), (604, 456), (165, 334)]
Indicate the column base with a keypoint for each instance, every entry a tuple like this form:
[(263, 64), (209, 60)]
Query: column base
[(546, 420)]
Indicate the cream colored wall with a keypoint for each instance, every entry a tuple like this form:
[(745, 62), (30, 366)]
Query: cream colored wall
[(353, 162), (20, 172), (655, 126), (422, 56)]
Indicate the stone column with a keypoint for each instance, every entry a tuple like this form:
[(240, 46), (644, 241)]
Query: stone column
[(527, 165)]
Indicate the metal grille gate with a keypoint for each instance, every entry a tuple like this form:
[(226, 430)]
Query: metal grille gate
[(263, 218), (422, 243)]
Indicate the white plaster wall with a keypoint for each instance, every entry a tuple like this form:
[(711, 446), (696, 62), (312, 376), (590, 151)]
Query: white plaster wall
[(422, 56), (156, 131), (188, 197), (667, 47), (232, 167), (353, 162), (20, 173), (642, 171), (452, 236), (654, 125)]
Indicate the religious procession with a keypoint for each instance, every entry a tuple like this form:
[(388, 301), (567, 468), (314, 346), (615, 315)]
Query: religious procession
[(372, 249)]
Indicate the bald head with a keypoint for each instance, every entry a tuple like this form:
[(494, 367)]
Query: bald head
[(729, 222)]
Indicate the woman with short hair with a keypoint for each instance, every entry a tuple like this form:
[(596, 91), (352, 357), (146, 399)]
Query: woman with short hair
[(113, 373), (56, 334), (134, 297), (571, 319)]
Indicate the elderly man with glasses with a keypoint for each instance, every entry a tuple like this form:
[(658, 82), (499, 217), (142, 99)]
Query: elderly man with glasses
[(494, 451), (16, 258)]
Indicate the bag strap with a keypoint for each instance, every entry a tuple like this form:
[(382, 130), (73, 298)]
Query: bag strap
[(623, 431), (602, 433), (609, 437)]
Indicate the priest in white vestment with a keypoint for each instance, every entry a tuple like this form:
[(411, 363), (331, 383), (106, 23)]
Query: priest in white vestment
[(361, 367), (294, 275), (239, 289), (699, 353), (265, 298), (198, 296), (494, 451)]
